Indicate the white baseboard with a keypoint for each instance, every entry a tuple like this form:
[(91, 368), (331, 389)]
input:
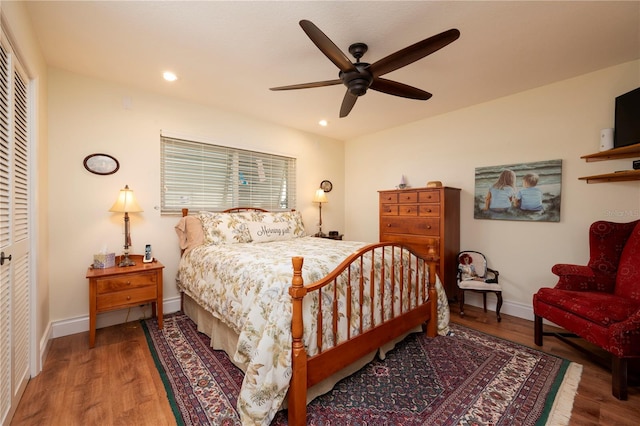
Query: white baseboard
[(70, 326), (43, 350), (81, 324), (515, 309)]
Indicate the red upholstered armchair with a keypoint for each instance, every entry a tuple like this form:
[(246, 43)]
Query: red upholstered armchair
[(600, 302)]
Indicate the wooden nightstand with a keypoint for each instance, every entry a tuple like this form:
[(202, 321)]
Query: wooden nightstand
[(124, 287)]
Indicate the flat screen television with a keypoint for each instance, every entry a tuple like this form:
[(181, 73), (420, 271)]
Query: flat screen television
[(627, 119)]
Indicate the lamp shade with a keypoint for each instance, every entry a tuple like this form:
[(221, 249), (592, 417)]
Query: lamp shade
[(320, 196), (126, 202)]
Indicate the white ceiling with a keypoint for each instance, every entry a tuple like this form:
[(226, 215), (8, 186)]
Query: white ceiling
[(229, 53)]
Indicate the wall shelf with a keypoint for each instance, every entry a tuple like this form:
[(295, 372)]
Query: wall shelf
[(621, 176), (614, 154)]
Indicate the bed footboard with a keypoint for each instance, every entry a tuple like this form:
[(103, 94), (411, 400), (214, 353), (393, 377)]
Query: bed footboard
[(400, 276)]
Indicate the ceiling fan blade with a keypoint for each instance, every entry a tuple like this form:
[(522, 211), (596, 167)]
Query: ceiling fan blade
[(347, 104), (413, 53), (308, 85), (327, 47), (399, 89)]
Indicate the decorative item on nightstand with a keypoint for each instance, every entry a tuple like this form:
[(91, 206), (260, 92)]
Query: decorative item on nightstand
[(126, 203), (320, 197)]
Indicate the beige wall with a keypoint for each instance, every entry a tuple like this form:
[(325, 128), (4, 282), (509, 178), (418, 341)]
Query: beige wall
[(17, 24), (91, 116), (558, 121)]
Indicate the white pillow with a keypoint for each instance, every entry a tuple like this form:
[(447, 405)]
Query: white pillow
[(262, 232)]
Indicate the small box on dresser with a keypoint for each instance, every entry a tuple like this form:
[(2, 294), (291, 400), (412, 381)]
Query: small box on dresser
[(419, 217)]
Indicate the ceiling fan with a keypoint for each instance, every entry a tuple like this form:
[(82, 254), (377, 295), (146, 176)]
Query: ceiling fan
[(360, 76)]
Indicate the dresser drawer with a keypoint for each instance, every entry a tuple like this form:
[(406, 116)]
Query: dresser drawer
[(130, 281), (408, 210), (388, 197), (404, 225), (408, 197), (429, 196), (418, 244), (389, 209), (430, 210), (123, 298)]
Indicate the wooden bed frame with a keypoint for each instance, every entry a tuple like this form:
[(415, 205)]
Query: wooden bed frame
[(309, 370)]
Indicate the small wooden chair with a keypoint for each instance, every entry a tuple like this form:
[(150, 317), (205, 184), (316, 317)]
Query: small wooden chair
[(474, 275)]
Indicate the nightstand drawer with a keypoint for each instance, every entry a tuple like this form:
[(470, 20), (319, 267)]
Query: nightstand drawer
[(131, 281), (124, 298)]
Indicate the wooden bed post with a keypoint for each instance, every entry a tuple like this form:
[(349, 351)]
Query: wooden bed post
[(432, 325), (298, 388)]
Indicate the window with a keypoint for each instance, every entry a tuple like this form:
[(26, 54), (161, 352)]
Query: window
[(202, 176)]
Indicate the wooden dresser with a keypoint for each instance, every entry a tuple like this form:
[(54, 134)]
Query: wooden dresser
[(419, 217)]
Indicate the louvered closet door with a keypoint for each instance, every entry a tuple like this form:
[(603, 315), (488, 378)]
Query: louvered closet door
[(15, 316)]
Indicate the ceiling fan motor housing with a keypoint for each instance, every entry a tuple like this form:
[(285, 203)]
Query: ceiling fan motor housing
[(357, 81)]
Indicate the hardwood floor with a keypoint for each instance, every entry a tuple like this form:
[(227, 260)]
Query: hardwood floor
[(116, 383)]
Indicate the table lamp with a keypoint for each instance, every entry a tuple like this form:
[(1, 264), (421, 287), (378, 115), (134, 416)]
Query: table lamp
[(126, 203), (320, 197)]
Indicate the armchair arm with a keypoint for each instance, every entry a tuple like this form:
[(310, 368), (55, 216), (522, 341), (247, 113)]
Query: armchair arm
[(493, 279), (579, 278), (577, 270)]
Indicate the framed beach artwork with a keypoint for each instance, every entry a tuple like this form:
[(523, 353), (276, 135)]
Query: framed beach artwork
[(527, 191)]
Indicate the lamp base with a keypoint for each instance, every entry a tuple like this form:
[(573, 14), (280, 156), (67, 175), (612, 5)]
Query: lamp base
[(320, 234), (126, 261)]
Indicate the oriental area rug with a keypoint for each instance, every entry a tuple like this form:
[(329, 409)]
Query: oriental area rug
[(466, 378)]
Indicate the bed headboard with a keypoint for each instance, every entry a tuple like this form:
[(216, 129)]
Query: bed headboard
[(224, 227)]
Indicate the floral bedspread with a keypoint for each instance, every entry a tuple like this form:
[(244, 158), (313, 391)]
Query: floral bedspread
[(246, 286)]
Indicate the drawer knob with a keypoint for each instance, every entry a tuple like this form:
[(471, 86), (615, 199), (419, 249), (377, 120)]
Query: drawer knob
[(428, 226), (428, 210), (128, 297), (408, 210), (388, 225)]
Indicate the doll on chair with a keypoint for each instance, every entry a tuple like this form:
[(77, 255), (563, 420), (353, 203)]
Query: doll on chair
[(467, 270)]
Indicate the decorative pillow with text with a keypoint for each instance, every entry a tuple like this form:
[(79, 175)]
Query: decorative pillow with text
[(262, 232)]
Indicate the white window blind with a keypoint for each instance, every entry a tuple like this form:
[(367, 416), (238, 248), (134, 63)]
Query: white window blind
[(202, 176)]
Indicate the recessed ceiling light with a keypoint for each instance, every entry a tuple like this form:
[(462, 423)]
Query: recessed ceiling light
[(323, 123), (169, 76)]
